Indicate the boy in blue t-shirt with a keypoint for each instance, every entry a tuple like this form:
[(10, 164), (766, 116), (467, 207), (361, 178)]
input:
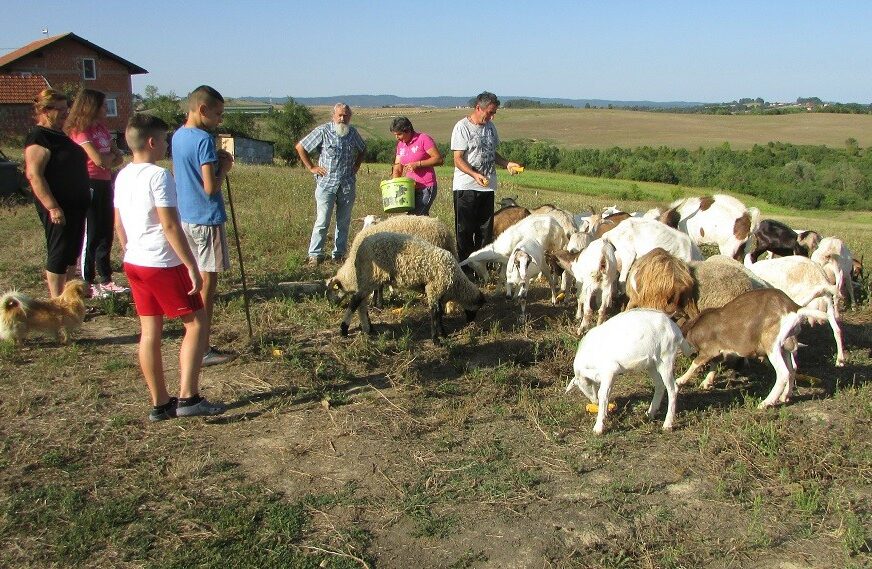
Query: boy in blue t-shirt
[(199, 170)]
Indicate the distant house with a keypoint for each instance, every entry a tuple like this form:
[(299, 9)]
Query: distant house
[(248, 150), (16, 102), (67, 62)]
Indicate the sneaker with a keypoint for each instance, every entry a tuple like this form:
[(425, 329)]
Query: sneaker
[(313, 262), (96, 292), (203, 408), (339, 260), (214, 356), (112, 288), (167, 412)]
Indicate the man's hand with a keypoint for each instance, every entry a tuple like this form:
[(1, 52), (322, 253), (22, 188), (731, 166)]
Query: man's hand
[(318, 170), (225, 161), (481, 180)]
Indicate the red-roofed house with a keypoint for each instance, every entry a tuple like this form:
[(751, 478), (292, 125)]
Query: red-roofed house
[(16, 101), (67, 62)]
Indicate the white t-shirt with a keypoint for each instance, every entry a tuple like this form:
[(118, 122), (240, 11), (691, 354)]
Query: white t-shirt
[(139, 190), (479, 146)]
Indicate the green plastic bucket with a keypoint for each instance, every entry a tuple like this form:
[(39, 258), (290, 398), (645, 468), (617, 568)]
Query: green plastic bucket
[(398, 195)]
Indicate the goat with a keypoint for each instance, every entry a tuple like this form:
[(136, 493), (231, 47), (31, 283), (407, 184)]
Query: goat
[(640, 339), (543, 228), (663, 282), (838, 263), (595, 271), (526, 261), (797, 276), (506, 217), (755, 324), (634, 237), (777, 238), (720, 219)]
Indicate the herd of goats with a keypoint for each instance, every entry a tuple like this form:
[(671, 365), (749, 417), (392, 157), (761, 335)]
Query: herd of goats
[(730, 304)]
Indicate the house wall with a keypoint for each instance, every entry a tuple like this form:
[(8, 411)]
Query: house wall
[(61, 64), (247, 150), (15, 120)]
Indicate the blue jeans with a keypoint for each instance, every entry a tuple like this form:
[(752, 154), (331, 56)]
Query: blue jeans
[(424, 198), (342, 197)]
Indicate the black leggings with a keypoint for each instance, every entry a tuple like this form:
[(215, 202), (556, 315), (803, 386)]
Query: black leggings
[(99, 233), (63, 243)]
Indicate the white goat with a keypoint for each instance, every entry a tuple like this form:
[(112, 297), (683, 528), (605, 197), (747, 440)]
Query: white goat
[(720, 219), (639, 339), (544, 228), (596, 272), (526, 262), (798, 276), (634, 237), (838, 263)]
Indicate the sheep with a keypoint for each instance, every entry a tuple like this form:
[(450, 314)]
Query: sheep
[(838, 263), (661, 281), (543, 228), (777, 238), (506, 217), (640, 339), (428, 228), (595, 271), (720, 219), (796, 276), (755, 324), (718, 280), (634, 237), (407, 262)]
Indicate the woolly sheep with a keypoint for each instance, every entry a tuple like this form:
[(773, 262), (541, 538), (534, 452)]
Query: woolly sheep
[(407, 262), (427, 228), (639, 339), (718, 280)]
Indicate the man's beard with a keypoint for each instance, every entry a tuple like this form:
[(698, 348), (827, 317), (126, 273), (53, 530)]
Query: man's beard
[(340, 128)]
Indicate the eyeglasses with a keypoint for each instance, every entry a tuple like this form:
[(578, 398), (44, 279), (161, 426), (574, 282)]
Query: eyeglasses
[(60, 109)]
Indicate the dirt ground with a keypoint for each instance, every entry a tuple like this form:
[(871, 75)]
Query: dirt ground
[(471, 455)]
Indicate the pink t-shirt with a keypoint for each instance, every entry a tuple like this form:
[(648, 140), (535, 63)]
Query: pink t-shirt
[(98, 135), (414, 151)]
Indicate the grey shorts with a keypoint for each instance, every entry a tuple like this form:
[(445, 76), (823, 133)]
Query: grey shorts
[(209, 244)]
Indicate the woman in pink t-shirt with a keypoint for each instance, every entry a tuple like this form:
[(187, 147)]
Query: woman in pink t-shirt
[(416, 156), (85, 126)]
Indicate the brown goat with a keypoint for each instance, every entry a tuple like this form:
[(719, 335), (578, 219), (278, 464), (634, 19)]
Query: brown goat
[(506, 217), (661, 281), (758, 323), (610, 222)]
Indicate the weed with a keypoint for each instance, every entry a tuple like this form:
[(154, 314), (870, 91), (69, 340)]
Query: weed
[(115, 364), (757, 527)]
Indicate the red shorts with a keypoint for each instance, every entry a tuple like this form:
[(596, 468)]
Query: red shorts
[(162, 291)]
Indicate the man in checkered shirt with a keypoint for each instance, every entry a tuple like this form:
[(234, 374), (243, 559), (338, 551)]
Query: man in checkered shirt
[(342, 151)]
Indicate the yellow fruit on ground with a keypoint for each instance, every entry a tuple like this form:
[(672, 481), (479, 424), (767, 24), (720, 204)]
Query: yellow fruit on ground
[(593, 408)]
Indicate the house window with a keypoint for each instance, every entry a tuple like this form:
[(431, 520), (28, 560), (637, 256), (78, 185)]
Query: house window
[(111, 108), (89, 68)]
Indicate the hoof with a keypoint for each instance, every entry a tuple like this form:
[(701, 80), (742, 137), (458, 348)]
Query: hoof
[(343, 330)]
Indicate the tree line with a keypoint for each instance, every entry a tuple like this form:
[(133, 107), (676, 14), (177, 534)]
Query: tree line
[(802, 176)]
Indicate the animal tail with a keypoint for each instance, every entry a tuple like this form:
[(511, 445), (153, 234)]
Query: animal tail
[(483, 256), (788, 327)]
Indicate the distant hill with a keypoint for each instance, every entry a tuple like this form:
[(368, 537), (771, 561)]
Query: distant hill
[(376, 101)]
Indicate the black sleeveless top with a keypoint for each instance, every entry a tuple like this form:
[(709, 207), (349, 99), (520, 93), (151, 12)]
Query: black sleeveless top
[(67, 169)]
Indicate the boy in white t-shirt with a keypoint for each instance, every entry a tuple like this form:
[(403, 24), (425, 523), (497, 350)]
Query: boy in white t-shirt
[(161, 269)]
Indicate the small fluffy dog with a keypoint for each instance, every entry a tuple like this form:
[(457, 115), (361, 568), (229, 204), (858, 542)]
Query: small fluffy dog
[(20, 314)]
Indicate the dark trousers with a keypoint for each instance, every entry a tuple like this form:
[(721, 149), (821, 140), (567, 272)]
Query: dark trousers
[(99, 233), (473, 220)]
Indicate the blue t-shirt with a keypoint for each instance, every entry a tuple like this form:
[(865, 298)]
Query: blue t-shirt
[(193, 147)]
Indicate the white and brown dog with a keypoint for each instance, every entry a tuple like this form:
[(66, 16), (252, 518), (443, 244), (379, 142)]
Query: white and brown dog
[(20, 314)]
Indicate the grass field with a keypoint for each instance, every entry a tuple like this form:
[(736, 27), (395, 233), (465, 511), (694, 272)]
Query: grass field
[(390, 452), (602, 128)]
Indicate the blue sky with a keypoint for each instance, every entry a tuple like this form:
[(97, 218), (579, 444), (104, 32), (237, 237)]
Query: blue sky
[(618, 49)]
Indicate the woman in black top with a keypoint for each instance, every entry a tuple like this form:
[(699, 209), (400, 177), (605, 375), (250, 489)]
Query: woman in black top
[(58, 174)]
